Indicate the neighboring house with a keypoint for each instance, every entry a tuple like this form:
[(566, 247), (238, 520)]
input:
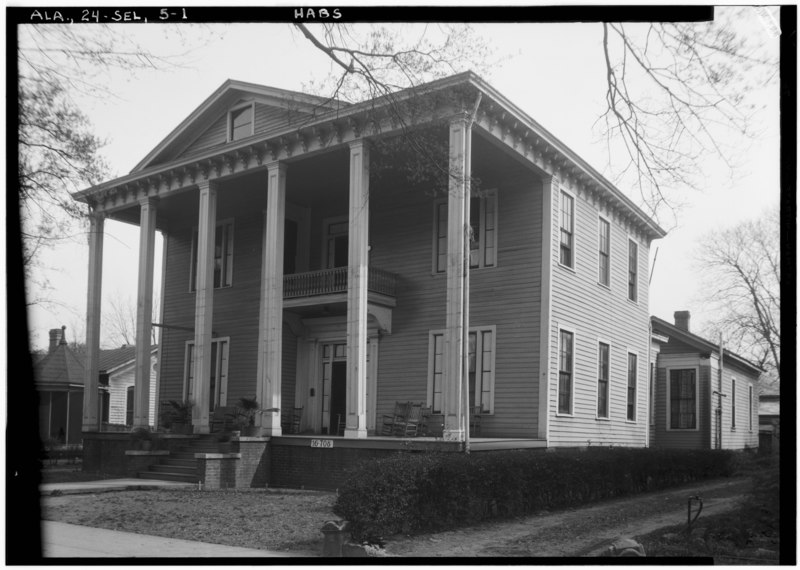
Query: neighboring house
[(700, 400), (292, 274), (769, 422), (59, 378), (116, 375)]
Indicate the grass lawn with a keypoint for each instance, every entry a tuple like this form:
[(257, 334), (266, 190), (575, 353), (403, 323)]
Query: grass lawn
[(750, 534)]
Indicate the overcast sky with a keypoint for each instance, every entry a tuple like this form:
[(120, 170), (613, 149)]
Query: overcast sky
[(553, 72)]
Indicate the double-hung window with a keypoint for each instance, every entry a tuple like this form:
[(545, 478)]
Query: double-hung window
[(223, 256), (567, 248), (218, 382), (682, 388), (733, 403), (565, 371), (632, 378), (481, 351), (603, 353), (483, 232), (750, 407), (240, 123), (604, 253), (633, 270)]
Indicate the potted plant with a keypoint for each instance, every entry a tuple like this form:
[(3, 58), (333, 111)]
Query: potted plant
[(225, 442), (246, 412), (143, 438), (177, 417)]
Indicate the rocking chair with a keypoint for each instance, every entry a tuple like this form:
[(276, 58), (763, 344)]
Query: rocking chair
[(391, 421)]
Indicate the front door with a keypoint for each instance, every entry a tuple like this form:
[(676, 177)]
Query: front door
[(334, 386), (338, 398)]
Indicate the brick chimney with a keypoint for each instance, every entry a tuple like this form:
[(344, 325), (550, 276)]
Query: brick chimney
[(55, 339), (682, 319)]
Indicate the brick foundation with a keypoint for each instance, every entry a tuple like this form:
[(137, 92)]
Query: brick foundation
[(218, 470)]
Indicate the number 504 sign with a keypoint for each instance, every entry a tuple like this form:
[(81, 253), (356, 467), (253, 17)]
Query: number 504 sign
[(321, 443)]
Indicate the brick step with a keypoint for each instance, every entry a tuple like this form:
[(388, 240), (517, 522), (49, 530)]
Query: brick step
[(180, 477), (187, 462)]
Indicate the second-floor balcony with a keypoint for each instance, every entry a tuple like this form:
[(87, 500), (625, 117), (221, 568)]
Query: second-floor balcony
[(328, 282)]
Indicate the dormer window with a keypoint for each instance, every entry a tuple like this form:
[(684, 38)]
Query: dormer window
[(240, 122)]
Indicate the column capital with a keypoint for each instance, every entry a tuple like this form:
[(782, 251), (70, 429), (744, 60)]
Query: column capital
[(149, 201), (359, 144), (278, 165)]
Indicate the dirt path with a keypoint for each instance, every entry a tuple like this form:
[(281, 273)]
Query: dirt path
[(575, 532)]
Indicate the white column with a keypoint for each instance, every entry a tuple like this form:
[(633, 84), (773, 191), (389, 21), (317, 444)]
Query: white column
[(144, 313), (357, 271), (452, 403), (204, 307), (270, 329), (549, 186), (90, 420)]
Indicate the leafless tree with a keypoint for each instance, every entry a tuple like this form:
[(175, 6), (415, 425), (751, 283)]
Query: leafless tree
[(120, 321), (58, 151), (742, 269), (674, 91)]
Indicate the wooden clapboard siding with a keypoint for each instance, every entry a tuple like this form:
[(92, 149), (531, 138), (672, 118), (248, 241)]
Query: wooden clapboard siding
[(745, 434), (596, 313), (701, 438), (267, 119), (235, 308), (506, 296)]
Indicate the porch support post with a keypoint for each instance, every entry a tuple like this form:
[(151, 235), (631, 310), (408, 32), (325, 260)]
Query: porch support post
[(356, 426), (204, 307), (549, 198), (91, 421), (270, 327), (452, 396), (144, 313)]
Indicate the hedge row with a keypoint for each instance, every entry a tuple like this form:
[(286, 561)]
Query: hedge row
[(417, 492)]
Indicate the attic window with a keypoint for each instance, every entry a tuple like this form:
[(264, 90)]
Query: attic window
[(240, 123)]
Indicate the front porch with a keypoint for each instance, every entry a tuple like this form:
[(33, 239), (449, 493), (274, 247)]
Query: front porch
[(290, 461)]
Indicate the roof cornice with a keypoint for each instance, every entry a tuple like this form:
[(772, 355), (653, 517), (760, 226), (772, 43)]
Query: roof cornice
[(341, 125)]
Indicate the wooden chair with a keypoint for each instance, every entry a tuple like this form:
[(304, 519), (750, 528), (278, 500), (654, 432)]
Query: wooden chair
[(475, 421), (409, 426), (391, 421), (292, 423), (432, 425)]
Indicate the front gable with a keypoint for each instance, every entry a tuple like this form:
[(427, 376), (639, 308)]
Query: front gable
[(209, 126)]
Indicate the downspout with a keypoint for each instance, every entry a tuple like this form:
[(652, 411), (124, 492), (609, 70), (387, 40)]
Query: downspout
[(719, 396), (468, 231)]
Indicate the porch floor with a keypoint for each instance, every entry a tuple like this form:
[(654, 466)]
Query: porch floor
[(409, 443)]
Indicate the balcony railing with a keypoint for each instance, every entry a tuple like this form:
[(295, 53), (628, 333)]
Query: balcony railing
[(327, 281)]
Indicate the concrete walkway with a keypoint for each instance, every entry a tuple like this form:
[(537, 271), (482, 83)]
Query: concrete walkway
[(62, 540), (110, 485)]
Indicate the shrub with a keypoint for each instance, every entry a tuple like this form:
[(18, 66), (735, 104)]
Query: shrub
[(415, 492)]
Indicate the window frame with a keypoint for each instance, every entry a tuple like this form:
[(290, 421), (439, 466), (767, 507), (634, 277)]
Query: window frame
[(601, 220), (635, 403), (635, 273), (188, 370), (571, 412), (607, 416), (479, 362), (668, 419), (232, 111), (750, 402), (733, 404), (573, 233), (326, 224), (227, 255), (439, 233)]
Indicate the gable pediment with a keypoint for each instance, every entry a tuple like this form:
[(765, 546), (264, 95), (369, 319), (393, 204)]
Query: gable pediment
[(208, 126)]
